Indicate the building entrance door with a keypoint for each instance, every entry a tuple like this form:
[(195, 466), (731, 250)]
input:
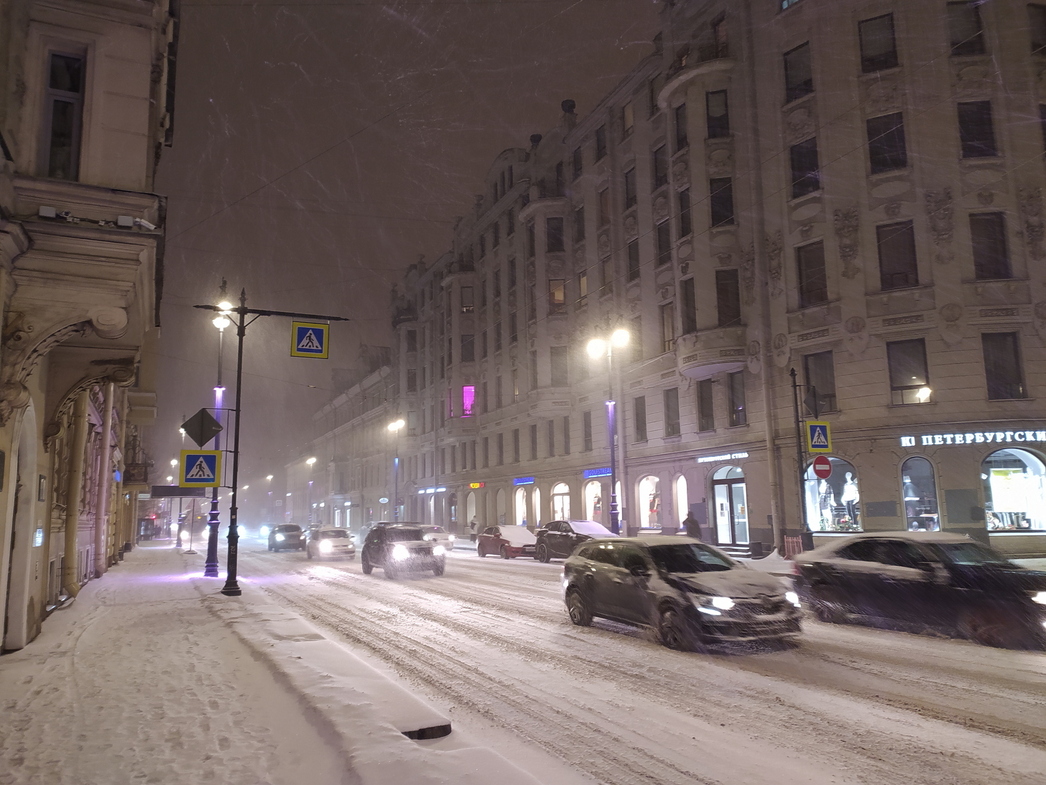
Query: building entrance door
[(731, 506)]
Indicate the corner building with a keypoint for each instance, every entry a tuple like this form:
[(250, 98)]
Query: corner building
[(830, 209)]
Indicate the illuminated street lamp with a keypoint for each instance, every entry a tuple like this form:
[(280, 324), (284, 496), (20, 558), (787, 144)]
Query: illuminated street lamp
[(600, 347), (394, 428), (221, 321)]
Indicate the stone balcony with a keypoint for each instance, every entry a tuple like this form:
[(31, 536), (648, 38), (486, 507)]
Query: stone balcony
[(704, 354)]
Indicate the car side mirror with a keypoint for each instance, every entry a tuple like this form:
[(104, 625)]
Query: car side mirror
[(639, 570)]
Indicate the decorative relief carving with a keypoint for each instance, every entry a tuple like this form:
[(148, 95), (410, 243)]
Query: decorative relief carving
[(603, 244), (985, 197), (856, 335), (893, 209), (774, 248), (579, 253), (748, 274), (661, 208), (681, 170), (882, 95), (724, 259), (847, 224), (806, 230), (684, 268), (799, 124), (973, 81), (951, 312), (1030, 201), (755, 357), (719, 161), (685, 251), (781, 352), (631, 227), (665, 293), (940, 211)]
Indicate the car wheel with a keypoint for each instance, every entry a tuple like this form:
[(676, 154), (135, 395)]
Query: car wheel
[(577, 607), (992, 627), (504, 552), (368, 568), (541, 553), (826, 605), (390, 572), (308, 553), (671, 630), (270, 549), (480, 552), (439, 569)]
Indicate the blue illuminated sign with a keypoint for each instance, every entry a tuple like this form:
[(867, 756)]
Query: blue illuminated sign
[(590, 473), (523, 481)]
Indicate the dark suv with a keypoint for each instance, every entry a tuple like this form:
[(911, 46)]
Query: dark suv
[(286, 535), (558, 539), (399, 548), (690, 593)]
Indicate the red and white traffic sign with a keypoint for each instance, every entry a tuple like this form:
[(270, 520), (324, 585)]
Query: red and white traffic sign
[(822, 467)]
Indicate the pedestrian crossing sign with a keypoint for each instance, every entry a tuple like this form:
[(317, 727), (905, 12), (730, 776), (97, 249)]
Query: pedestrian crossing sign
[(201, 469), (818, 436), (309, 339)]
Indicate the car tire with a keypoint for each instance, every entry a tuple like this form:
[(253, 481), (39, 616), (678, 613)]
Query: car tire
[(577, 607), (365, 564), (308, 553), (992, 627), (541, 553), (480, 552), (391, 572), (439, 569), (270, 549), (671, 630), (824, 601), (504, 553)]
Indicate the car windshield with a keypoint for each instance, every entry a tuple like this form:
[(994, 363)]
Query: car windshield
[(689, 557), (971, 553), (434, 530), (289, 529), (336, 534), (404, 535), (591, 528)]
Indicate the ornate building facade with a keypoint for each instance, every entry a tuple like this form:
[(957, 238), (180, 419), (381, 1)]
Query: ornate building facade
[(802, 212), (85, 109)]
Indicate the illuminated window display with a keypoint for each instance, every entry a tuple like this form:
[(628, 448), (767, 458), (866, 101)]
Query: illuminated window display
[(560, 502), (919, 495), (1013, 491), (833, 504)]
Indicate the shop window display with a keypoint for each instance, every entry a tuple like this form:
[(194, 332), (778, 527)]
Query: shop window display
[(561, 502), (919, 493), (1014, 484), (649, 503), (833, 504)]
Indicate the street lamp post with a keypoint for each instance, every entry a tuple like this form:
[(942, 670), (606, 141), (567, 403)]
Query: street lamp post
[(221, 321), (394, 429), (308, 490), (598, 347)]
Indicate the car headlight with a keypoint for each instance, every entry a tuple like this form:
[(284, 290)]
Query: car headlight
[(428, 538), (264, 531), (439, 550), (326, 546), (1039, 597), (279, 538), (712, 606), (793, 598), (400, 552), (450, 537)]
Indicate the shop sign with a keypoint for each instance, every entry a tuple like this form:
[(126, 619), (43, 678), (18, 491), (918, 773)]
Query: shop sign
[(475, 485), (976, 437), (730, 456), (591, 473), (523, 481), (422, 491)]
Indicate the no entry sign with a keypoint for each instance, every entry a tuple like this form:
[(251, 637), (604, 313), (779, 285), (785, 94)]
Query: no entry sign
[(822, 467)]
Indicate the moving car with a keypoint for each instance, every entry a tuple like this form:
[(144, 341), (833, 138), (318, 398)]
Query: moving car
[(438, 535), (400, 548), (286, 535), (921, 579), (330, 543), (506, 541), (691, 594), (558, 539)]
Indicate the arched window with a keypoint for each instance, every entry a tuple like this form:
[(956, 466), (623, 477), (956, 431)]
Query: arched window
[(919, 495), (833, 504), (1014, 491), (682, 501), (649, 502), (521, 507), (561, 502), (593, 501)]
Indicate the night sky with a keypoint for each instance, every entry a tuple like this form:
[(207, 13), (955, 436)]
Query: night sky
[(321, 148)]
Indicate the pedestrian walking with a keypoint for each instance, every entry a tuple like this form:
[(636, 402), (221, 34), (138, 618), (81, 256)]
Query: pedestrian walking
[(691, 526), (472, 528)]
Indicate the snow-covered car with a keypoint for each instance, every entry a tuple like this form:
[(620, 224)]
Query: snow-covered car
[(286, 535), (918, 579), (691, 594), (438, 535), (506, 541), (558, 539), (398, 549), (330, 543)]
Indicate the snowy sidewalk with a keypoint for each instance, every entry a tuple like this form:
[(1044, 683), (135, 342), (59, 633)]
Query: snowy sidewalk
[(152, 676)]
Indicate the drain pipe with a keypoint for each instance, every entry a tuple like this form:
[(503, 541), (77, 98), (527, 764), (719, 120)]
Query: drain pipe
[(74, 488), (105, 477)]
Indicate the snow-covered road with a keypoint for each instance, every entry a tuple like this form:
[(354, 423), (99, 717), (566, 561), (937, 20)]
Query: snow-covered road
[(490, 643)]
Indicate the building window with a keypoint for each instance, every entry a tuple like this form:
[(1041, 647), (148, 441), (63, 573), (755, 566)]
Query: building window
[(566, 434), (468, 348), (628, 120), (1037, 27), (897, 264), (497, 336), (513, 328), (681, 136), (671, 400), (577, 161), (705, 409), (919, 493), (515, 445), (495, 234), (496, 283), (653, 91), (886, 146), (728, 297), (976, 135), (510, 267), (483, 345), (909, 377), (639, 418), (531, 240), (878, 47), (630, 188), (467, 300), (663, 234), (554, 235), (482, 246), (819, 370), (965, 31), (559, 186), (533, 441), (813, 278), (551, 438), (686, 224), (559, 359), (1002, 366), (721, 201), (586, 431), (468, 400), (510, 223), (579, 224), (688, 304), (633, 261), (499, 398), (533, 370), (717, 114), (668, 327), (412, 380), (738, 406), (486, 452), (582, 287), (64, 116), (604, 207), (799, 78), (991, 260), (601, 142), (557, 295), (660, 167), (805, 175), (412, 340), (501, 449), (720, 44), (635, 340)]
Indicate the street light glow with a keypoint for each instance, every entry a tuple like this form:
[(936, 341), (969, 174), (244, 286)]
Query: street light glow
[(245, 487), (170, 479), (620, 337), (395, 425), (221, 322), (310, 461), (269, 478), (174, 461), (597, 347)]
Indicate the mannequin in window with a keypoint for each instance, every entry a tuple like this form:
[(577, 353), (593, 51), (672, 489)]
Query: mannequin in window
[(825, 501), (850, 497)]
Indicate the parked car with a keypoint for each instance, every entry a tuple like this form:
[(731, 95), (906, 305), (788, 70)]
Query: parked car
[(438, 535), (915, 580), (286, 535), (558, 539), (506, 541), (330, 543), (691, 594), (399, 548)]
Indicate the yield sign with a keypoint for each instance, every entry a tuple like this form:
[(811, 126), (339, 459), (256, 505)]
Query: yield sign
[(822, 467), (202, 427)]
